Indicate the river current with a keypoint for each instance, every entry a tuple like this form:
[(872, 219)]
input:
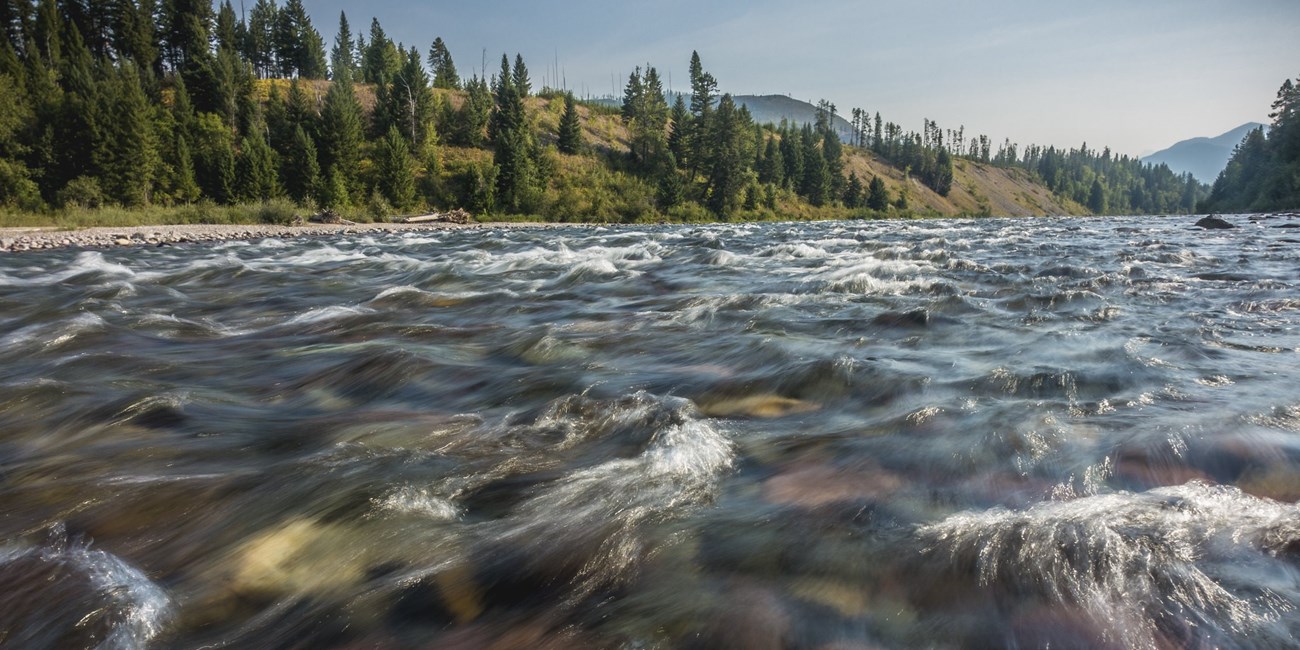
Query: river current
[(950, 434)]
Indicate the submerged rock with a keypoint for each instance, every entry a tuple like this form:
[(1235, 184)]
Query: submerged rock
[(755, 406), (1214, 223)]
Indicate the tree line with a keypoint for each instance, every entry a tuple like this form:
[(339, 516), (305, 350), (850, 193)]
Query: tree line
[(1263, 173), (172, 102)]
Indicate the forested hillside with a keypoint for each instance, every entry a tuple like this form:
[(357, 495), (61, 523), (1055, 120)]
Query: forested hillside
[(1264, 171), (175, 104)]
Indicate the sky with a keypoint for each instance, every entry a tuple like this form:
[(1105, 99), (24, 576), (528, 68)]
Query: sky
[(1133, 75)]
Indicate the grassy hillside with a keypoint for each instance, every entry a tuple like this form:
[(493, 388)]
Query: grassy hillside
[(978, 189)]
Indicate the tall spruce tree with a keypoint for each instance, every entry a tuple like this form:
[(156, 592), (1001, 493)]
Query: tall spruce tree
[(395, 170), (127, 153), (301, 167), (570, 132), (703, 90), (726, 172), (340, 137), (440, 63), (519, 77), (341, 56)]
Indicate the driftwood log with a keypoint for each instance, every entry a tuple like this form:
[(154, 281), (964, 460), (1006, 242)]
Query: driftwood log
[(458, 216)]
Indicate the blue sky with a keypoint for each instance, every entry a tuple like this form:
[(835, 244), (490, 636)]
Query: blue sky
[(1135, 76)]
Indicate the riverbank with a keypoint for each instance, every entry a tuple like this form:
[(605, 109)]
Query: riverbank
[(18, 240)]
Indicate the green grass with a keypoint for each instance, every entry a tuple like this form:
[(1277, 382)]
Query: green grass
[(275, 211)]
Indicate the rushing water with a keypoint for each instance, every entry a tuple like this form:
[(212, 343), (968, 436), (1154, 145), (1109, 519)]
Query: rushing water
[(1026, 433)]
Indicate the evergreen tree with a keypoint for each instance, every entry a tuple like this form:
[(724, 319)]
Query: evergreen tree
[(298, 46), (877, 195), (395, 171), (127, 153), (214, 158), (133, 34), (301, 169), (832, 153), (474, 114), (440, 63), (942, 178), (519, 77), (259, 48), (255, 169), (646, 113), (680, 121), (513, 146), (409, 102), (225, 32), (381, 59), (1097, 197), (340, 136), (772, 169), (669, 190), (815, 184), (184, 186), (703, 89), (185, 27), (853, 192), (334, 193), (726, 173), (341, 56), (570, 133)]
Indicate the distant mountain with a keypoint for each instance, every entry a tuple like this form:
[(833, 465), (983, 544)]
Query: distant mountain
[(765, 109), (774, 108), (1203, 157)]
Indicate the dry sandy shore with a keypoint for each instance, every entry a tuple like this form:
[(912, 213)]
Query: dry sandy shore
[(30, 239)]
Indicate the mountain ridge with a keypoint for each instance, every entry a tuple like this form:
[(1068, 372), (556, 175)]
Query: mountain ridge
[(1203, 157)]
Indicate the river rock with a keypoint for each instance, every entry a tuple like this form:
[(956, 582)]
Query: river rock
[(302, 556), (817, 485), (763, 405), (1214, 223)]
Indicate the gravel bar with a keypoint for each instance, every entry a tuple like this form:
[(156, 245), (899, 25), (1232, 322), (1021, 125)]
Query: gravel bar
[(16, 240)]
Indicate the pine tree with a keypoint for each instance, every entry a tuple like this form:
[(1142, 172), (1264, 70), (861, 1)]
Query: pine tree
[(726, 171), (341, 135), (259, 49), (214, 158), (341, 55), (1097, 197), (519, 77), (381, 59), (570, 133), (409, 102), (646, 113), (395, 171), (942, 177), (301, 169), (513, 147), (334, 193), (255, 169), (440, 63), (680, 120), (703, 89), (853, 192), (815, 186), (184, 186), (474, 115), (127, 155), (772, 170), (184, 28), (877, 195)]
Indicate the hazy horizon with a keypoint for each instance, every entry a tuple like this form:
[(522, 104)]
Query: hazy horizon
[(1134, 78)]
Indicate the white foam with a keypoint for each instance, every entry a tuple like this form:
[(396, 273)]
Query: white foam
[(1118, 554), (143, 607)]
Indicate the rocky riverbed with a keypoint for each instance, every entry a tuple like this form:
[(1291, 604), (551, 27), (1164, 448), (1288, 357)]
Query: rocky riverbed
[(30, 239)]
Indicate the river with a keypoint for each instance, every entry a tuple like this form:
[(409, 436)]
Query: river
[(951, 434)]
